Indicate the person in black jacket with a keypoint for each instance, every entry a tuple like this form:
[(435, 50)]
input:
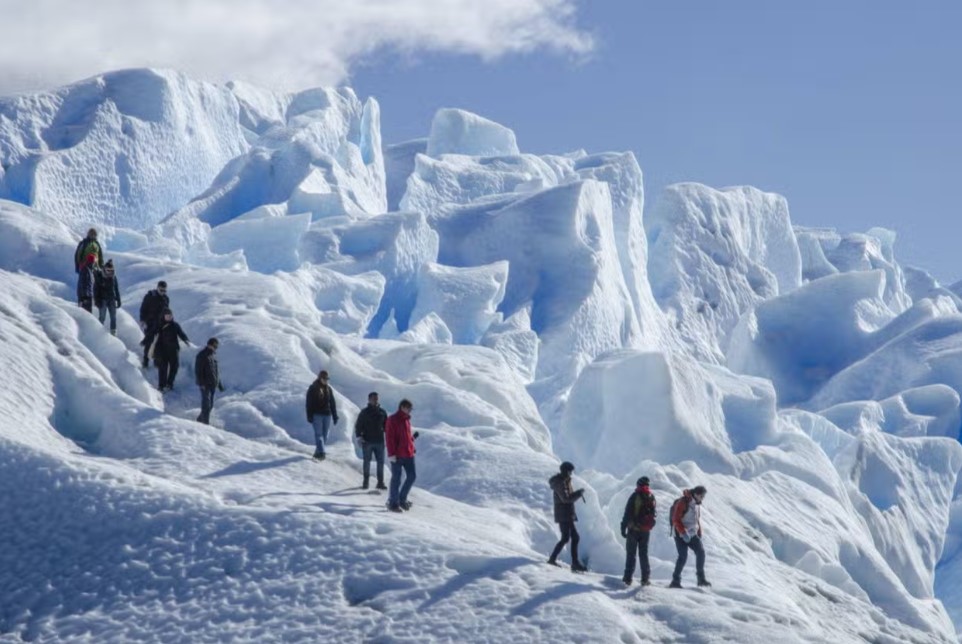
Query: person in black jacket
[(321, 412), (636, 525), (151, 315), (167, 350), (86, 280), (107, 295), (208, 378), (369, 429), (565, 516)]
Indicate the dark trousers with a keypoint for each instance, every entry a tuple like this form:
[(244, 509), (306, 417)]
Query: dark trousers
[(398, 493), (87, 305), (695, 544), (375, 449), (568, 532), (637, 545), (149, 334), (167, 367), (206, 404)]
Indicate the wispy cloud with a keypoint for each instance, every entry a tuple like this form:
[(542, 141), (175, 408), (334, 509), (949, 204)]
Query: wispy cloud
[(279, 43)]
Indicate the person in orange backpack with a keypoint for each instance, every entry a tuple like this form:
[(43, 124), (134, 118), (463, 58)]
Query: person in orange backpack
[(686, 528), (636, 525)]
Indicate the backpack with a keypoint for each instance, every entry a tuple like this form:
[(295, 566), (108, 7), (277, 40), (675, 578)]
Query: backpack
[(671, 513), (643, 512)]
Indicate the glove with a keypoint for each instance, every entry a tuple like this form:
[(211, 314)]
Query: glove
[(416, 434), (310, 419), (393, 459), (578, 493), (118, 304), (686, 537), (335, 420), (220, 387), (624, 531)]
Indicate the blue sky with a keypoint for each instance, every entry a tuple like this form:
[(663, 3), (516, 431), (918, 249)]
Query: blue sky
[(850, 109)]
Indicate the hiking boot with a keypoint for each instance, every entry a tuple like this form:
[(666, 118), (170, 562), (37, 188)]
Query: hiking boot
[(704, 583), (675, 584), (406, 505), (319, 457), (380, 486), (552, 562), (395, 508), (645, 582), (626, 581), (578, 567), (113, 332), (364, 485)]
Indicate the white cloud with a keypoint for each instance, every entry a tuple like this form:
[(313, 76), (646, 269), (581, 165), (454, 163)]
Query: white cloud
[(278, 43)]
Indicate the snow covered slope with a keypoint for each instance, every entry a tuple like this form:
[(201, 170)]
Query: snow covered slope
[(512, 297)]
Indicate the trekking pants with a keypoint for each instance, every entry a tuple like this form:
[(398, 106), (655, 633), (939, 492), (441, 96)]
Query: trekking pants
[(322, 427), (695, 544), (376, 450), (110, 307), (206, 404), (637, 544), (398, 494), (568, 532)]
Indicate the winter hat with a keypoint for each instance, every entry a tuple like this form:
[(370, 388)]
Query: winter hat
[(567, 467), (643, 481), (698, 490), (91, 258), (109, 266), (167, 312)]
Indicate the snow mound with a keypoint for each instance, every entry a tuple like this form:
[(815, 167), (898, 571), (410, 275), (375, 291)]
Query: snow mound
[(456, 131), (715, 254), (126, 147)]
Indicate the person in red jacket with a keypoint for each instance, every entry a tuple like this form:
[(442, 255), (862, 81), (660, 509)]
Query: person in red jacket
[(686, 527), (400, 452)]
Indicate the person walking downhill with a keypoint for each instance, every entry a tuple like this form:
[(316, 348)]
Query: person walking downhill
[(151, 315), (167, 350), (207, 375), (369, 429), (86, 280), (321, 413), (107, 295), (686, 528), (400, 452), (88, 245), (565, 515), (636, 525)]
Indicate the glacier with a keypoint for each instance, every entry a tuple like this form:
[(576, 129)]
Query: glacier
[(533, 307)]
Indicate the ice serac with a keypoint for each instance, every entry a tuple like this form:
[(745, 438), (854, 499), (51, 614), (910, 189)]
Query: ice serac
[(563, 263), (802, 339), (516, 342), (931, 410), (466, 299), (320, 155), (827, 251), (125, 148), (714, 254), (455, 131), (398, 166), (394, 244)]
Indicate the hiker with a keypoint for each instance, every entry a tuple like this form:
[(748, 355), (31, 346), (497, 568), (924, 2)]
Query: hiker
[(686, 528), (208, 378), (86, 280), (151, 315), (321, 412), (369, 429), (88, 245), (636, 525), (565, 516), (107, 295), (400, 451), (166, 350)]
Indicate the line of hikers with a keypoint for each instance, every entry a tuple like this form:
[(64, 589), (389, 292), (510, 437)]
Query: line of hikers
[(97, 284), (636, 525), (375, 431)]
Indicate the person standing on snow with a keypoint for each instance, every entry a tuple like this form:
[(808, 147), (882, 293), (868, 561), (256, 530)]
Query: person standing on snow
[(686, 527), (107, 295), (151, 315), (86, 280), (400, 451), (88, 245), (636, 525), (565, 516), (207, 375), (369, 429), (321, 413), (167, 350)]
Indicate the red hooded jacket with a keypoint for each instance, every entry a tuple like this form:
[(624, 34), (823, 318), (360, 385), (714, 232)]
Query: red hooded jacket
[(398, 437)]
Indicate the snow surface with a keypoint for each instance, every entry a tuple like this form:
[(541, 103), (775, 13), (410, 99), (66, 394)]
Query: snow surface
[(532, 311)]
